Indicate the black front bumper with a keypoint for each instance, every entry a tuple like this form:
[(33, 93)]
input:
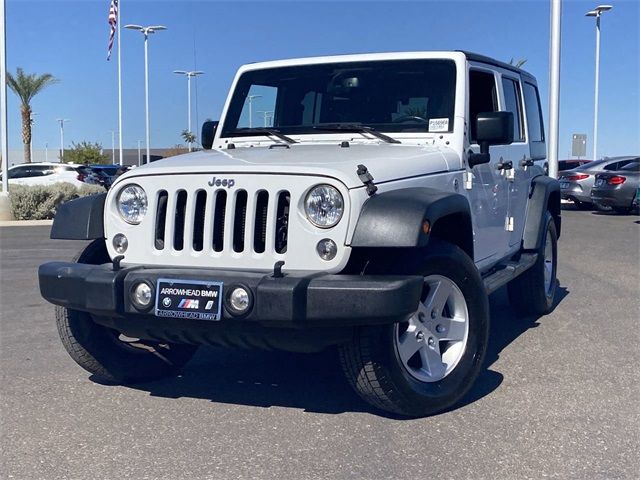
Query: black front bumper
[(289, 301)]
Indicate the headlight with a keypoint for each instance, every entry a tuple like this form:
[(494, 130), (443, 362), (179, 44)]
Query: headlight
[(132, 203), (324, 206)]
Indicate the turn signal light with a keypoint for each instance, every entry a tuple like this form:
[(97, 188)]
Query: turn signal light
[(617, 180)]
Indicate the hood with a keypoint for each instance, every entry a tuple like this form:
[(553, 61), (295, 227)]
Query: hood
[(384, 161)]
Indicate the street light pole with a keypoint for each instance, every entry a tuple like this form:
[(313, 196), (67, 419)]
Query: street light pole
[(597, 12), (146, 31), (188, 75), (139, 153), (113, 146), (61, 123), (4, 146), (554, 86), (251, 98)]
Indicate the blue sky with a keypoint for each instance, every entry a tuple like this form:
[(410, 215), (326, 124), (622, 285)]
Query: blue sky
[(69, 39)]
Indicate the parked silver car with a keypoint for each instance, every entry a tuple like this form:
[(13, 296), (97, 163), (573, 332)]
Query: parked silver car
[(576, 184), (617, 189)]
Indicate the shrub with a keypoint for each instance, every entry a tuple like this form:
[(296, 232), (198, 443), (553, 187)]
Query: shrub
[(40, 202)]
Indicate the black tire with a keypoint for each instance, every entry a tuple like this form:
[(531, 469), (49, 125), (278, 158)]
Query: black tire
[(622, 210), (106, 354), (528, 294), (372, 364)]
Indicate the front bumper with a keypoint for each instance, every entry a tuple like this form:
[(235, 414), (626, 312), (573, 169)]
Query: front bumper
[(310, 300)]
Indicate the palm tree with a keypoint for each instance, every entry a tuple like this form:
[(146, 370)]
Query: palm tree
[(519, 63), (27, 86), (188, 136)]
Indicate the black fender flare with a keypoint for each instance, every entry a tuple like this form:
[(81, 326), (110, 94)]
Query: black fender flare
[(397, 218), (544, 196), (80, 219)]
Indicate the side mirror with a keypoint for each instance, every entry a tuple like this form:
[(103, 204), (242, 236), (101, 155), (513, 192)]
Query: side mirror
[(208, 133), (494, 128)]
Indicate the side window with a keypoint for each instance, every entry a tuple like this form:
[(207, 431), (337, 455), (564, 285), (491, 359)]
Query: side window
[(482, 97), (40, 171), (511, 90), (259, 107), (20, 172), (534, 113), (612, 166)]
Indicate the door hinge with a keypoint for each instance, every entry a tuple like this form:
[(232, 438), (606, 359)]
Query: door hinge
[(468, 180), (508, 224)]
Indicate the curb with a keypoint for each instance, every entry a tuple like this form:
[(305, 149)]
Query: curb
[(25, 223)]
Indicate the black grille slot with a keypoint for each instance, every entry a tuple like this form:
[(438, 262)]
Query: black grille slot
[(260, 224), (239, 221), (178, 232), (218, 220), (161, 219), (282, 221), (198, 220)]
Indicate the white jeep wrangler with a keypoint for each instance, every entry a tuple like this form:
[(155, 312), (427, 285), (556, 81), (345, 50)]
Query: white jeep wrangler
[(369, 202)]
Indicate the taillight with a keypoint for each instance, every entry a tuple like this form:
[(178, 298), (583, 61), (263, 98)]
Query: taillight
[(577, 176), (616, 180), (80, 177)]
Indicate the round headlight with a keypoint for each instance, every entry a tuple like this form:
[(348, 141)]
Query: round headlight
[(132, 203), (324, 206)]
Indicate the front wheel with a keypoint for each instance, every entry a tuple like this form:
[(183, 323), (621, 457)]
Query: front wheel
[(108, 354), (426, 364)]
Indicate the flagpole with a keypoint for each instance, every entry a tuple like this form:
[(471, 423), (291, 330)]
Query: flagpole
[(119, 85)]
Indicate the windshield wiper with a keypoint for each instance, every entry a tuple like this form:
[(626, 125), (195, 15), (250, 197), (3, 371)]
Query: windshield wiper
[(356, 128), (267, 131)]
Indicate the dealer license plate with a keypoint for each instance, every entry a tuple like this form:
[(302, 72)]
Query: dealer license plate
[(564, 184), (193, 299)]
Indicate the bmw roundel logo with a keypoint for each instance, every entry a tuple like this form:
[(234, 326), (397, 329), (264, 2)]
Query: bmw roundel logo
[(166, 301)]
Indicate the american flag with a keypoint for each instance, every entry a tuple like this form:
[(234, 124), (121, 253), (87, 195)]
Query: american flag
[(113, 21)]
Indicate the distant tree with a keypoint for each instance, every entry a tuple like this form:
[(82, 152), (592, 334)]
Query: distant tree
[(188, 137), (27, 86), (86, 152), (519, 63)]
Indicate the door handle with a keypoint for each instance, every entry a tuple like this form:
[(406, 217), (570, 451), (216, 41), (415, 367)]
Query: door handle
[(526, 162), (504, 165)]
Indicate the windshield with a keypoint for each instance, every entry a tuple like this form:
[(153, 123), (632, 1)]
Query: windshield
[(390, 95)]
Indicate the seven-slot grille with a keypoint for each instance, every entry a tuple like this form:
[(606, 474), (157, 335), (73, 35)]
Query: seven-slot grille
[(218, 221)]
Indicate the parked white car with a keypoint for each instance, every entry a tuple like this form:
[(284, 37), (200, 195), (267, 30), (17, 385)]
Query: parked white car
[(47, 174)]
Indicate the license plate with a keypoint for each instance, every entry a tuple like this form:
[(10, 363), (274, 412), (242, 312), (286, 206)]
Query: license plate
[(599, 182), (193, 299), (564, 184)]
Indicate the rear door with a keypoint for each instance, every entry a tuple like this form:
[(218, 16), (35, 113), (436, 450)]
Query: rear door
[(518, 153)]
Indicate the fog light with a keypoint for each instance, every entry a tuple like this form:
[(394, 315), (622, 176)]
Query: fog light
[(327, 249), (142, 295), (239, 300), (120, 243)]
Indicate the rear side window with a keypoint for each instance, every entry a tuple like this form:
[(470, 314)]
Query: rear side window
[(511, 90), (534, 113), (483, 97), (632, 167), (20, 172)]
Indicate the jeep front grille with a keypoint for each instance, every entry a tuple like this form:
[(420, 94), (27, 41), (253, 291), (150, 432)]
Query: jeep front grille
[(222, 221)]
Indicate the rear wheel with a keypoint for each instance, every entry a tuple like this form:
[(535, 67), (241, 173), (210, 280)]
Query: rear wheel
[(107, 353), (426, 364), (533, 292), (622, 210)]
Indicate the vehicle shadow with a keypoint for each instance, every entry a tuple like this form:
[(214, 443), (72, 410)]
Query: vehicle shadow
[(314, 382)]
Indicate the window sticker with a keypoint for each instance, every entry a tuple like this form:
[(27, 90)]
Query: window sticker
[(438, 124)]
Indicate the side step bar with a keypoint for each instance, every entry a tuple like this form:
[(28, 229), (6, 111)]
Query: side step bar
[(508, 271)]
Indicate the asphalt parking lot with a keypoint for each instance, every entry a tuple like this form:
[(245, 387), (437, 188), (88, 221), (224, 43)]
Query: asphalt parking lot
[(559, 397)]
